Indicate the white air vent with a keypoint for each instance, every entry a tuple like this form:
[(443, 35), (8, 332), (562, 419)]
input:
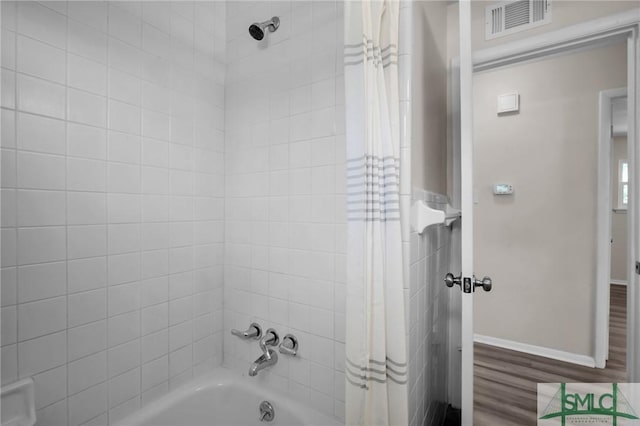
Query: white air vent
[(510, 17)]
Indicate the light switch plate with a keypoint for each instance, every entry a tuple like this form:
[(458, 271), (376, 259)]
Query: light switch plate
[(508, 102)]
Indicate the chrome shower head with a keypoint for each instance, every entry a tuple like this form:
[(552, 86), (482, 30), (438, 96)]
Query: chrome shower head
[(257, 29)]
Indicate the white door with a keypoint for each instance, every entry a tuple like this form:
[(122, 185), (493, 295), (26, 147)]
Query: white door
[(466, 204)]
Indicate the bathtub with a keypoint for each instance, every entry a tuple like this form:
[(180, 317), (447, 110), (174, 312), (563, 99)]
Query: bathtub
[(225, 398)]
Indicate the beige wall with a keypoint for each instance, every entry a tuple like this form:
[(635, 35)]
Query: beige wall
[(539, 244), (564, 13), (429, 96), (619, 219)]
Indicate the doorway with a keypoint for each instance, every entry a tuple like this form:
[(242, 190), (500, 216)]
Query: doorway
[(619, 187), (556, 43), (536, 207), (540, 239)]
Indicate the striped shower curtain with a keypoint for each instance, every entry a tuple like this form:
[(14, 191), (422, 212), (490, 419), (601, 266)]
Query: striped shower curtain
[(376, 363)]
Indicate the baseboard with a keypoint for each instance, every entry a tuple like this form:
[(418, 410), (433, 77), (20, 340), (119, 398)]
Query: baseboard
[(618, 282), (571, 357)]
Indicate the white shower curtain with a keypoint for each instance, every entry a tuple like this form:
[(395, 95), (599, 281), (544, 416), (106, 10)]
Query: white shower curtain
[(376, 363)]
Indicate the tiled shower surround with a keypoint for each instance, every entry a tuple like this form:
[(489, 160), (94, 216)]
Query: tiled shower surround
[(112, 201), (428, 318), (166, 178), (285, 201)]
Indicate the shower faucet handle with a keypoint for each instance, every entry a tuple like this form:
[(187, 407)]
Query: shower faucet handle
[(289, 345), (270, 338), (253, 332)]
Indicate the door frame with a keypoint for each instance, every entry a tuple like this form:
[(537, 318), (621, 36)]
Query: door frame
[(602, 31), (604, 217), (466, 206)]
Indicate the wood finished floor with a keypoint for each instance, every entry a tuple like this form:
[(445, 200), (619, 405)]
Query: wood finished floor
[(505, 381)]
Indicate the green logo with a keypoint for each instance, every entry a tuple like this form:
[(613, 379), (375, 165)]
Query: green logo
[(603, 406)]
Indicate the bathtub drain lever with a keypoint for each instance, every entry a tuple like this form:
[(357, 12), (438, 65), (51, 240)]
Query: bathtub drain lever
[(267, 413)]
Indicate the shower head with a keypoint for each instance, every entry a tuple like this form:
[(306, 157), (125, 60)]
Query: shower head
[(257, 29)]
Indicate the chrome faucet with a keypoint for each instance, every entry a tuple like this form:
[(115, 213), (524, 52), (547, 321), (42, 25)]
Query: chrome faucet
[(269, 357)]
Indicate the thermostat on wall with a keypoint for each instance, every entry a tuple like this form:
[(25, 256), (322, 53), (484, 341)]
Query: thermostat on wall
[(509, 102), (502, 189)]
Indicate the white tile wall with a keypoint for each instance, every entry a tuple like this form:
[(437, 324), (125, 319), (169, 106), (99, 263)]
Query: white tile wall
[(428, 318), (285, 182), (112, 201)]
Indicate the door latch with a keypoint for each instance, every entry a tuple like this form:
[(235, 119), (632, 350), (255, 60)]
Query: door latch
[(468, 285), (638, 268)]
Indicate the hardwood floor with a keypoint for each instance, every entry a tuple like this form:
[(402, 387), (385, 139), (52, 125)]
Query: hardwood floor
[(505, 381)]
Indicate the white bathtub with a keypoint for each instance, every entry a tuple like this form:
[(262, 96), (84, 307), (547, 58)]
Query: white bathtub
[(225, 398)]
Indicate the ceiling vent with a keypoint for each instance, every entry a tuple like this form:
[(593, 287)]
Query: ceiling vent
[(510, 17)]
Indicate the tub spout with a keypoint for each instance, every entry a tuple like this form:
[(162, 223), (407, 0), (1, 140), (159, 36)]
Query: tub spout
[(269, 357), (265, 360)]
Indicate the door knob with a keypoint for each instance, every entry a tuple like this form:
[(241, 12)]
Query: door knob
[(485, 283), (466, 283), (450, 280)]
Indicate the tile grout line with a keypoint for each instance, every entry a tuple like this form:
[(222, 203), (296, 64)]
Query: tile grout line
[(66, 209), (168, 218), (106, 204), (140, 219), (15, 153)]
